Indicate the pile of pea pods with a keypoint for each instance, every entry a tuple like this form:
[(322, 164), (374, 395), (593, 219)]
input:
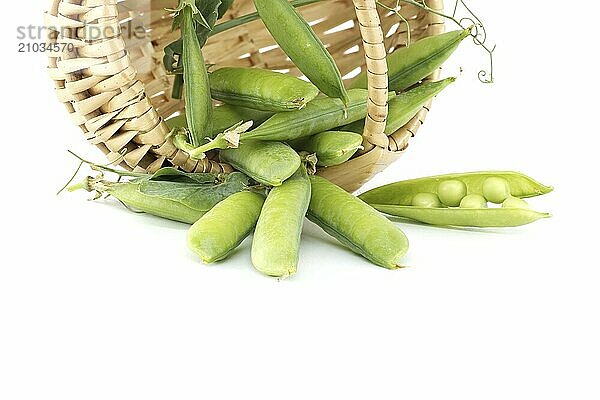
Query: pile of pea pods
[(275, 130)]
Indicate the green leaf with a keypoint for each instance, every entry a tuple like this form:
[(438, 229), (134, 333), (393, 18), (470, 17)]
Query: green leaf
[(194, 195), (170, 174), (209, 9), (224, 6), (206, 18)]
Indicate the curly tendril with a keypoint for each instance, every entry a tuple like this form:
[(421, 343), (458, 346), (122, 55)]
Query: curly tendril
[(471, 21)]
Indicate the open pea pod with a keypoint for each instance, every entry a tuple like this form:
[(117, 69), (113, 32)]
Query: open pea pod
[(401, 193), (480, 218)]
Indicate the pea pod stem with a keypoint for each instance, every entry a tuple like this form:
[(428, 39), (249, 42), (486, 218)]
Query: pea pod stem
[(230, 139), (224, 117)]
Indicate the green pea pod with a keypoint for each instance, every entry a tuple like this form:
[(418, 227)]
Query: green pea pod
[(260, 89), (478, 217), (170, 195), (195, 77), (221, 230), (276, 242), (330, 147), (401, 193), (405, 106), (409, 65), (297, 39), (224, 117), (356, 224), (319, 115), (269, 163)]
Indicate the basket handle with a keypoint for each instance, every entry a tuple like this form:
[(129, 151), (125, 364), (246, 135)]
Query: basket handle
[(377, 78)]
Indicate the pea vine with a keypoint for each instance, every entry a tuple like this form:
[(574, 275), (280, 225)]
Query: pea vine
[(472, 21)]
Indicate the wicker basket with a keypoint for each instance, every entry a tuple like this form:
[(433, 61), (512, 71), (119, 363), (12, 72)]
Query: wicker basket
[(116, 90)]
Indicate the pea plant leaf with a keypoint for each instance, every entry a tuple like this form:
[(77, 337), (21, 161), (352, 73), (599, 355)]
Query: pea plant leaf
[(209, 13), (223, 7), (193, 195), (170, 174)]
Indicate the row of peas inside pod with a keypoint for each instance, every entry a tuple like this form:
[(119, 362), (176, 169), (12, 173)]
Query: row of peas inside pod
[(462, 199), (272, 126), (224, 209)]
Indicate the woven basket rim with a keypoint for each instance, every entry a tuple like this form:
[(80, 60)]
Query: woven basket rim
[(110, 104)]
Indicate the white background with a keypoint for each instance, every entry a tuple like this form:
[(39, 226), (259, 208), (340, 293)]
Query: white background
[(100, 303)]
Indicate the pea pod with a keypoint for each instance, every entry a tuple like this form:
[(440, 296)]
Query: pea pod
[(330, 147), (260, 89), (356, 224), (269, 163), (299, 42), (221, 230), (480, 217), (401, 193), (224, 117), (319, 115), (197, 91), (409, 65), (276, 242), (175, 196), (469, 190), (405, 106)]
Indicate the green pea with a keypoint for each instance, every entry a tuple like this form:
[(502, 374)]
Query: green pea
[(514, 202), (197, 91), (409, 65), (473, 217), (319, 115), (401, 193), (224, 117), (269, 163), (473, 201), (396, 199), (403, 107), (330, 147), (221, 230), (356, 224), (276, 242), (496, 189), (297, 39), (260, 89), (451, 192), (171, 194), (426, 200)]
